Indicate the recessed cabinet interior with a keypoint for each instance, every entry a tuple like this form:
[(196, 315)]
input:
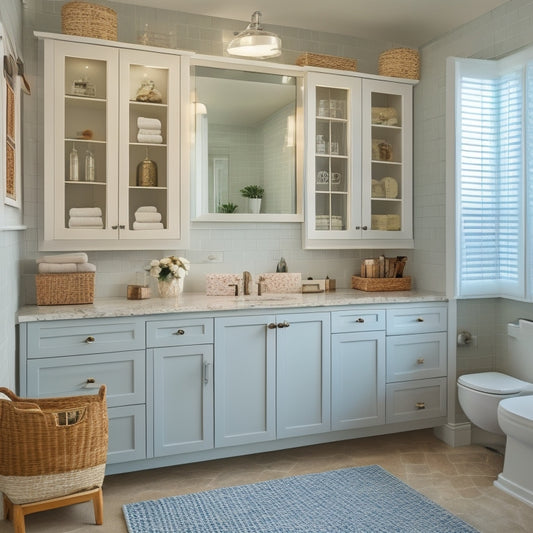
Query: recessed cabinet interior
[(112, 155), (247, 131), (358, 163)]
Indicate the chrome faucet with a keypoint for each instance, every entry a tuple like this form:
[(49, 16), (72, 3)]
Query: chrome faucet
[(246, 282)]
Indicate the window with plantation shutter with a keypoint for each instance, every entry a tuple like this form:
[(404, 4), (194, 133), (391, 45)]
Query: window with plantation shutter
[(490, 178)]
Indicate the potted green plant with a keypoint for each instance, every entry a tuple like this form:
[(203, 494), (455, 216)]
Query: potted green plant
[(227, 208), (254, 193)]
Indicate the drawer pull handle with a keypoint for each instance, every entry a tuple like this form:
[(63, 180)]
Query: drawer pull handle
[(420, 405), (272, 325), (89, 340), (90, 383), (420, 361), (360, 320), (180, 332), (283, 324), (419, 319)]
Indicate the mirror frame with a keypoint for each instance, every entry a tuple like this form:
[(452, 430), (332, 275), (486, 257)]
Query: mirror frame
[(197, 186)]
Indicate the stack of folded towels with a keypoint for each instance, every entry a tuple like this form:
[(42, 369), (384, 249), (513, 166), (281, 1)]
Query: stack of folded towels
[(149, 130), (85, 217), (73, 262), (147, 217)]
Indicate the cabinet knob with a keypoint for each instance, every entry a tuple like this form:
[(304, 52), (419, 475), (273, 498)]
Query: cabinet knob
[(364, 228), (357, 227), (121, 226), (90, 383), (420, 405), (420, 319), (420, 361), (180, 332), (114, 227), (90, 340), (360, 320), (284, 324)]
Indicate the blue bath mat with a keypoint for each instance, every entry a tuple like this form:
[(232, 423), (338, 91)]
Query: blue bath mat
[(352, 500)]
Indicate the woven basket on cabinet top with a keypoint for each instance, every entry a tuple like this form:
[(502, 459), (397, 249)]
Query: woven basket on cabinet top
[(400, 63), (89, 20), (308, 59), (52, 447)]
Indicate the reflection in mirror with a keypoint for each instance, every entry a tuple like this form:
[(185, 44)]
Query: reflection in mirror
[(245, 135)]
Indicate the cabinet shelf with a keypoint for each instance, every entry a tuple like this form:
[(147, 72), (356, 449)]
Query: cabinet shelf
[(85, 99), (148, 188), (147, 104), (398, 163), (377, 199), (83, 182), (386, 127), (84, 141), (162, 145)]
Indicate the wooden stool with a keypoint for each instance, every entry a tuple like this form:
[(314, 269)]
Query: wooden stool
[(16, 512)]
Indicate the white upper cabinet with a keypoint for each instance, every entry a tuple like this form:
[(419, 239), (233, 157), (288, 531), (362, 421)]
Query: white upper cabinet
[(112, 149), (359, 162)]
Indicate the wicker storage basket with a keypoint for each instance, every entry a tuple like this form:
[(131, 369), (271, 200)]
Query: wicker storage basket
[(65, 288), (307, 59), (89, 20), (52, 447), (381, 284), (400, 63)]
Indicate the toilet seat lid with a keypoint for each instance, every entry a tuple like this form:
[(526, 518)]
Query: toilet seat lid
[(492, 382), (520, 407)]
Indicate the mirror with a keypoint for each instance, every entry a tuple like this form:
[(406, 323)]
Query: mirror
[(246, 136)]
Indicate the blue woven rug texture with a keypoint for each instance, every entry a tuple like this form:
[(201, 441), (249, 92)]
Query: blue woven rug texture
[(352, 500)]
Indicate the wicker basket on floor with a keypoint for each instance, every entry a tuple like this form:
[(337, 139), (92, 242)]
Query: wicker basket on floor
[(64, 288), (308, 59), (89, 20), (52, 447), (400, 63)]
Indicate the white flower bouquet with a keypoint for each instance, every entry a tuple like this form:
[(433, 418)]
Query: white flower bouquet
[(169, 268)]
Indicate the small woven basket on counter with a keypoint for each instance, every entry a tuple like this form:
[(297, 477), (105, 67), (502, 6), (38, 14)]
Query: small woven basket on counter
[(52, 447), (64, 288), (400, 63), (381, 284), (89, 20), (308, 59)]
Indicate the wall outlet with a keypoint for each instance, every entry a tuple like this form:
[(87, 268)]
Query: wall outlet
[(213, 257)]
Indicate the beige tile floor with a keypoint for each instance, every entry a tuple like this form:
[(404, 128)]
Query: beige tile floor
[(458, 479)]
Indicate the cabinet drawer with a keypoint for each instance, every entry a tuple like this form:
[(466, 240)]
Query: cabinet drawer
[(127, 433), (414, 400), (357, 320), (416, 320), (179, 332), (78, 337), (416, 356), (122, 373)]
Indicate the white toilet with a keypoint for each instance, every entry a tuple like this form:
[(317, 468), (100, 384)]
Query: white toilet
[(502, 404), (515, 416)]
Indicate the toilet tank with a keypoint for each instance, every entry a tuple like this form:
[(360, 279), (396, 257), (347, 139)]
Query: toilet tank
[(519, 360)]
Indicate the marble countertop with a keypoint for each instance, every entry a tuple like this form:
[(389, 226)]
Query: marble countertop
[(189, 302)]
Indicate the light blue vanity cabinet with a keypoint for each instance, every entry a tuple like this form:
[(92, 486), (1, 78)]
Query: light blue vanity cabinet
[(180, 352), (72, 357), (357, 368), (272, 377), (417, 363)]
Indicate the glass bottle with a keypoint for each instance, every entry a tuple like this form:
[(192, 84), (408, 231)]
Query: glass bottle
[(89, 166), (74, 164)]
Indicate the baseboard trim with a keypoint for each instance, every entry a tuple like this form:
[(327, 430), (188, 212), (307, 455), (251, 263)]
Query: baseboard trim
[(455, 434)]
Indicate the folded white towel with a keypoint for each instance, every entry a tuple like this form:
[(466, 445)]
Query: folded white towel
[(86, 267), (76, 222), (76, 257), (145, 131), (46, 268), (147, 209), (152, 139), (148, 225), (147, 217), (85, 212), (148, 123)]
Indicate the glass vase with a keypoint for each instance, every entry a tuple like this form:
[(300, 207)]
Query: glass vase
[(171, 288)]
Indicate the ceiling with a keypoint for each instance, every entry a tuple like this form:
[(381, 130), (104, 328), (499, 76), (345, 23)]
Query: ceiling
[(408, 22)]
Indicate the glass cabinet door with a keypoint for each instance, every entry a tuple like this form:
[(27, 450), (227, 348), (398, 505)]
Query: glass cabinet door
[(86, 151), (334, 173), (149, 170), (387, 172)]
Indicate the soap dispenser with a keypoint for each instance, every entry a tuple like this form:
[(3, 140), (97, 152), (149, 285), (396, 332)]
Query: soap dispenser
[(282, 266)]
